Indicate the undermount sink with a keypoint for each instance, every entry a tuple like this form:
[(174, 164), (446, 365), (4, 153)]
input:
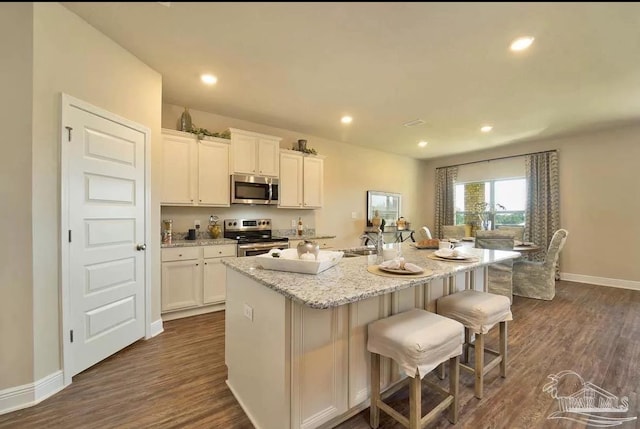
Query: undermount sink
[(359, 252)]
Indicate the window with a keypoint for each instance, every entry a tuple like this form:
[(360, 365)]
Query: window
[(504, 199)]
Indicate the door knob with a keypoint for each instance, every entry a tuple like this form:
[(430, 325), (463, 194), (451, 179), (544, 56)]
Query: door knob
[(141, 247)]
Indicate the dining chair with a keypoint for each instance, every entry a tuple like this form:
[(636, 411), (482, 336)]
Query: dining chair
[(452, 231), (500, 274), (537, 279), (517, 230)]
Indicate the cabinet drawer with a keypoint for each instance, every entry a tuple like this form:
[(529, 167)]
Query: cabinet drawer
[(180, 254), (220, 251)]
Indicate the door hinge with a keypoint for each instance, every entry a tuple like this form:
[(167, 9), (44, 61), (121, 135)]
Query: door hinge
[(71, 335), (68, 133), (69, 236)]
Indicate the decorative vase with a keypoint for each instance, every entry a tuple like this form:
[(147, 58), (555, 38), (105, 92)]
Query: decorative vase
[(377, 220), (302, 145), (185, 121), (308, 246)]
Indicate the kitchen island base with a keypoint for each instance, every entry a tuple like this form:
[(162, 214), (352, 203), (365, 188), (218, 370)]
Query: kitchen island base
[(291, 366)]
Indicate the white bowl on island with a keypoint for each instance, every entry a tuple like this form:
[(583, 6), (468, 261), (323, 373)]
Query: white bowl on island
[(288, 260)]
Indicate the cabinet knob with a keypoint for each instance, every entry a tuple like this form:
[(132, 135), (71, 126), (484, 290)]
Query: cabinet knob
[(180, 255), (141, 247), (197, 265)]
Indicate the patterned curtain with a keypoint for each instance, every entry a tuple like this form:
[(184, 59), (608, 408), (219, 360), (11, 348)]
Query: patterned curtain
[(445, 198), (543, 201)]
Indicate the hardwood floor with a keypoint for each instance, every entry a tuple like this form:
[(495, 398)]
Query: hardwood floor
[(177, 379)]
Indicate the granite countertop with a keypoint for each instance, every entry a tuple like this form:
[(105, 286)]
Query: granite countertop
[(349, 281), (199, 242)]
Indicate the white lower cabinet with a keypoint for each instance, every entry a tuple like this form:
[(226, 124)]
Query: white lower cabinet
[(193, 278)]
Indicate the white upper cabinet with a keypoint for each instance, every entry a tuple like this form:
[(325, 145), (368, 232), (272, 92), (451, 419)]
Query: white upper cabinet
[(194, 172), (254, 154), (301, 180)]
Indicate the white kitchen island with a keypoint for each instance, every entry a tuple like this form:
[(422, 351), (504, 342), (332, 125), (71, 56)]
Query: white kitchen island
[(295, 344)]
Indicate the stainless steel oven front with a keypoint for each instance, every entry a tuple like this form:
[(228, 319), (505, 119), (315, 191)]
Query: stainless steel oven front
[(253, 249)]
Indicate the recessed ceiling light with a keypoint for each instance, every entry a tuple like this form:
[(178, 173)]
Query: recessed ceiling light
[(209, 79), (423, 143), (486, 128), (521, 43), (346, 119)]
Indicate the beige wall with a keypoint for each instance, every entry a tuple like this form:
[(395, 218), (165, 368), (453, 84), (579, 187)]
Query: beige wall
[(598, 198), (349, 171), (16, 294), (72, 57)]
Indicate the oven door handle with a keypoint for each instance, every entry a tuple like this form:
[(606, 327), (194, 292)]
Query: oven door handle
[(262, 245)]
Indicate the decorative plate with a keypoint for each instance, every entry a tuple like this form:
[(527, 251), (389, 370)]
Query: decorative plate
[(399, 271)]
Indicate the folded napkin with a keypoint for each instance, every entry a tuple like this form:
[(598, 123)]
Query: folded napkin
[(400, 264)]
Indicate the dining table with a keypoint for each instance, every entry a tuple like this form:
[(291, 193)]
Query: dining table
[(524, 247)]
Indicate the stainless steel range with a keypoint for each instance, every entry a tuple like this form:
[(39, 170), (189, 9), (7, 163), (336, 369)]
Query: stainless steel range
[(253, 235)]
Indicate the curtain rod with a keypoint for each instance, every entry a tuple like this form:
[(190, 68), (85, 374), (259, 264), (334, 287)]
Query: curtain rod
[(495, 159)]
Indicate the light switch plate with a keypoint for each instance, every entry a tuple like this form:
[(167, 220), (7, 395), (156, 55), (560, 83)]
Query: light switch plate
[(248, 312), (354, 215)]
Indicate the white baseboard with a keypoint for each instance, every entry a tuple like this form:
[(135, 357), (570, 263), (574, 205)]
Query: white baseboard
[(27, 395), (601, 281), (156, 328)]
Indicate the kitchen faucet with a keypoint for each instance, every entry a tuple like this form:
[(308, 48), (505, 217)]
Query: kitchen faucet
[(378, 242)]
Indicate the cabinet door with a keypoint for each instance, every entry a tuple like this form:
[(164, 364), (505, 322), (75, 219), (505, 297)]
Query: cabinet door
[(215, 281), (181, 284), (213, 174), (268, 157), (313, 173), (244, 154), (290, 190), (319, 367), (178, 170)]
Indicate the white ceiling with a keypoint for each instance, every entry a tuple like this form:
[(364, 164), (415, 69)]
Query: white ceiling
[(301, 66)]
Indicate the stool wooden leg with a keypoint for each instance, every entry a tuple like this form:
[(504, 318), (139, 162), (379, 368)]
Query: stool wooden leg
[(454, 374), (465, 347), (503, 349), (415, 402), (441, 374), (374, 412), (479, 369)]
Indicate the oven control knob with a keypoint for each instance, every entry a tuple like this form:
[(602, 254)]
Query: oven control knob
[(266, 222)]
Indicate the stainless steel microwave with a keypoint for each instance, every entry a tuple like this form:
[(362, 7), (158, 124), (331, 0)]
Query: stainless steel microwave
[(254, 189)]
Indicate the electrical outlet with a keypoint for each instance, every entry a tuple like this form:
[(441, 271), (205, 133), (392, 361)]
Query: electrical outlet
[(196, 223), (354, 215), (248, 312), (293, 223)]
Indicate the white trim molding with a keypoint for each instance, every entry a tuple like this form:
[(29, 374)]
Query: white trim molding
[(601, 281), (27, 395), (156, 328)]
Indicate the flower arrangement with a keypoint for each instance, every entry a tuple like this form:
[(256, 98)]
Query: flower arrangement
[(484, 212)]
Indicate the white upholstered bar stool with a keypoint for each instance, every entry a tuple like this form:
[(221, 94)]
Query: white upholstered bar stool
[(479, 312), (418, 341)]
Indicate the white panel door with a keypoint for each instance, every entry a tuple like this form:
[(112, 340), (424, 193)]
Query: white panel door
[(106, 212)]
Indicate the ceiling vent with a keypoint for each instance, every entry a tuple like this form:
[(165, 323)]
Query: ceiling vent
[(414, 123)]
